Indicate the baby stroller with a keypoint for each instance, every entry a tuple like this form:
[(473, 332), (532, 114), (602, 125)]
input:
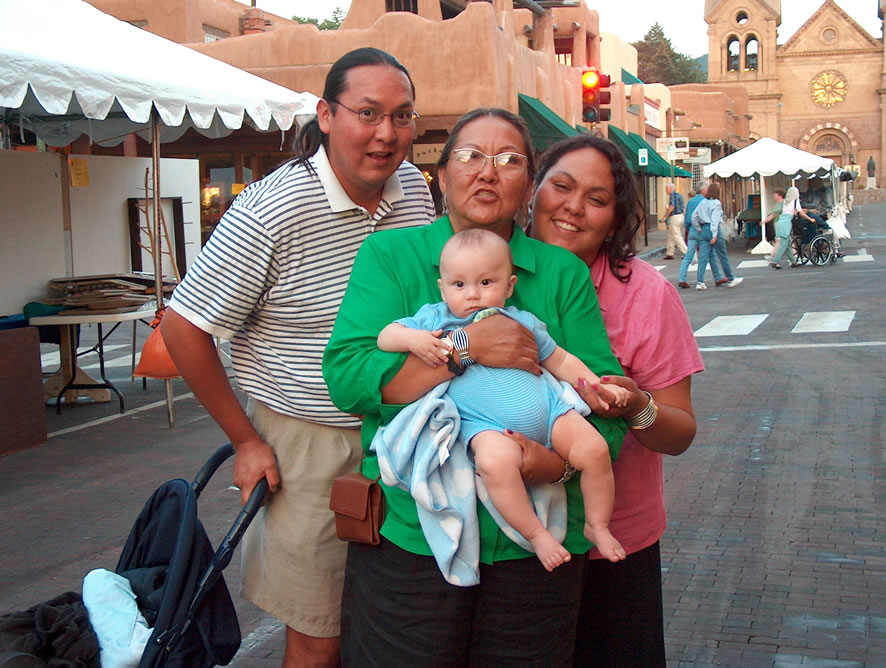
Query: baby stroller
[(813, 241), (176, 579)]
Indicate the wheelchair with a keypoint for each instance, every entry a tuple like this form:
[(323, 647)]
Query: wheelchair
[(813, 242)]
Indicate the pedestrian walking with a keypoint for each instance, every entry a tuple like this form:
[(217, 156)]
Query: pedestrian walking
[(709, 219), (674, 219)]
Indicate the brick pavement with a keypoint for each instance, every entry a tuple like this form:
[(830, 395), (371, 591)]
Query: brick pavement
[(774, 555), (69, 505)]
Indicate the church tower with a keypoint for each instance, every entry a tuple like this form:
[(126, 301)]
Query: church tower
[(823, 90), (742, 38)]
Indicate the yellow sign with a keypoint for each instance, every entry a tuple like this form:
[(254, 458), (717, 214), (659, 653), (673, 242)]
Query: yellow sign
[(78, 168), (237, 188)]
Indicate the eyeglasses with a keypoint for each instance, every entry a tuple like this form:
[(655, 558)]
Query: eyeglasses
[(471, 160), (401, 119)]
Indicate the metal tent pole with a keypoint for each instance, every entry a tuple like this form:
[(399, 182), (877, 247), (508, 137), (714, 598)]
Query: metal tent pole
[(158, 247)]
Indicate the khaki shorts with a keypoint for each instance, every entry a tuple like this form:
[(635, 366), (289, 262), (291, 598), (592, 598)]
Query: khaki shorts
[(293, 564)]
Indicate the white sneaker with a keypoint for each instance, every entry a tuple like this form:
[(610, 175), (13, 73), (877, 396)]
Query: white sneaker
[(735, 282), (701, 286)]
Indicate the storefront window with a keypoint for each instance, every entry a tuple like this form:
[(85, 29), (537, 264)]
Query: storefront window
[(222, 179)]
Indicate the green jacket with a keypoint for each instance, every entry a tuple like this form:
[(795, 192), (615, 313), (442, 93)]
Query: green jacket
[(396, 273)]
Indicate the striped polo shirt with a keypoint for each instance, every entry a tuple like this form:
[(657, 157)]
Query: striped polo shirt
[(273, 273)]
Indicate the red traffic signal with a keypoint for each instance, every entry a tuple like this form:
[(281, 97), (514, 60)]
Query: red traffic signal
[(593, 95)]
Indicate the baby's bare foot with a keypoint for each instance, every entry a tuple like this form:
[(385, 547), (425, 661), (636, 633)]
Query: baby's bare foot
[(549, 552), (605, 542)]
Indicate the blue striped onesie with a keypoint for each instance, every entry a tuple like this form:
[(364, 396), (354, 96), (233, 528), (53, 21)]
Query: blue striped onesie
[(492, 398)]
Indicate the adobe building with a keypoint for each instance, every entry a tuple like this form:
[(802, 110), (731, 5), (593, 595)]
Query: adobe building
[(461, 55), (192, 21), (823, 91), (515, 54), (716, 120)]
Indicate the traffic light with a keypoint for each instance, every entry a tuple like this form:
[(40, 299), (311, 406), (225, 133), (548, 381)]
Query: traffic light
[(593, 95)]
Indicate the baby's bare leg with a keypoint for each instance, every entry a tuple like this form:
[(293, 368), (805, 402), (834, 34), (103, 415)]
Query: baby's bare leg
[(576, 440), (498, 463)]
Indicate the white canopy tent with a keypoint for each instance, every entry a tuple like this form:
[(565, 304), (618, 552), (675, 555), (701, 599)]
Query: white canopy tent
[(767, 157), (80, 71)]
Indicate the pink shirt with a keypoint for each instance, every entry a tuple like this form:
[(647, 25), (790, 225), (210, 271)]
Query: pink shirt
[(652, 339)]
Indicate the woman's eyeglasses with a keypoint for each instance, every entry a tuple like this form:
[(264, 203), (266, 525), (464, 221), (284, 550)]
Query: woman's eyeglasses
[(401, 119), (471, 160)]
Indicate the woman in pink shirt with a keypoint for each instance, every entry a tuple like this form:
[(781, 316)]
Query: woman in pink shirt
[(586, 200)]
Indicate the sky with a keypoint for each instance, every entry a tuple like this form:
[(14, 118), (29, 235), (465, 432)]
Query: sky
[(682, 20)]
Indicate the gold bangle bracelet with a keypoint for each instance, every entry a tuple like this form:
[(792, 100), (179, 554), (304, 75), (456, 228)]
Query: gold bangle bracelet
[(645, 418)]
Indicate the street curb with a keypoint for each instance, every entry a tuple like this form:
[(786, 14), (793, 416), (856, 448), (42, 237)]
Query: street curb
[(651, 253)]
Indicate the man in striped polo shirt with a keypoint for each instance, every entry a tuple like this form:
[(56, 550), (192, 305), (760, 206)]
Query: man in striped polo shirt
[(271, 279)]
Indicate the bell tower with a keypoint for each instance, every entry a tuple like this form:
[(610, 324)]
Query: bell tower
[(742, 36)]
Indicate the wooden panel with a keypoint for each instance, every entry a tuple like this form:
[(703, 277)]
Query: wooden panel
[(22, 413)]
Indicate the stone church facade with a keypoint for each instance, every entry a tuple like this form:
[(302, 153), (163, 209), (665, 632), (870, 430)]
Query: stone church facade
[(823, 91)]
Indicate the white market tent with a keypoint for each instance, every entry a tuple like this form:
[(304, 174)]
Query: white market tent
[(80, 71), (767, 157)]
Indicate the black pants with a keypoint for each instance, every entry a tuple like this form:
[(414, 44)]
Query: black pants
[(621, 621), (397, 610)]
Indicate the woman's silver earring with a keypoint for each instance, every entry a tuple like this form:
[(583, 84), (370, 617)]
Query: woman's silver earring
[(445, 204)]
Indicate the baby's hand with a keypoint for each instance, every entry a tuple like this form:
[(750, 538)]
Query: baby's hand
[(429, 348), (622, 394)]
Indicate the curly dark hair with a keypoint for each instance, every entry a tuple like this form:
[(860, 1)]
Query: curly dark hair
[(629, 213)]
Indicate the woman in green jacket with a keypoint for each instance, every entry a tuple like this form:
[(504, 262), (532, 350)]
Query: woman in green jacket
[(396, 608)]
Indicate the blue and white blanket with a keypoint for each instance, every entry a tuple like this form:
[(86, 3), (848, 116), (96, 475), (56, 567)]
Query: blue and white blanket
[(422, 452)]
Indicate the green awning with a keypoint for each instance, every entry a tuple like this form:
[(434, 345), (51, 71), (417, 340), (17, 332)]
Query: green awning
[(628, 79), (545, 127), (626, 145), (654, 157)]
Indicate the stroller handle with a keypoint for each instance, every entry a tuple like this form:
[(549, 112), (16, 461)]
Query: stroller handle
[(211, 466), (225, 550)]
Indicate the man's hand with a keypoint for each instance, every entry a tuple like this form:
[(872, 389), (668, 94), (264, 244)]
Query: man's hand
[(539, 464), (253, 461), (429, 347), (499, 341)]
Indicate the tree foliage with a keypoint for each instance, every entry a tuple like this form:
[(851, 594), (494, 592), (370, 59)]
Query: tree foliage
[(334, 23), (657, 62)]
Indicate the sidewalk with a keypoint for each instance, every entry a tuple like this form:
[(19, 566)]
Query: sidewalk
[(653, 244)]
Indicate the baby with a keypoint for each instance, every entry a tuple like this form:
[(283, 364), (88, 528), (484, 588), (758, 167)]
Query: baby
[(476, 275)]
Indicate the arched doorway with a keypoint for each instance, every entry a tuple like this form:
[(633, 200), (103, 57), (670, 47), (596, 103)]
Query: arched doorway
[(830, 140), (831, 145)]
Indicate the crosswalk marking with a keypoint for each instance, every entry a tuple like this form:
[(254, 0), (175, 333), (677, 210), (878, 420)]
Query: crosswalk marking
[(791, 346), (751, 264), (54, 359), (858, 258), (823, 321), (732, 325)]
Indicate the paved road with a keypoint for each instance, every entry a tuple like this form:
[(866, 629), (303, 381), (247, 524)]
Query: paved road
[(776, 550)]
